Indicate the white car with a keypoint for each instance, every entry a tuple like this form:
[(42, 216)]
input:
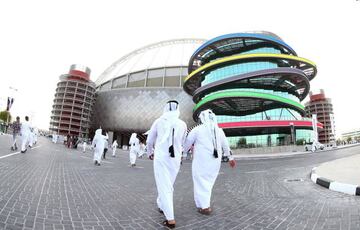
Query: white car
[(318, 145)]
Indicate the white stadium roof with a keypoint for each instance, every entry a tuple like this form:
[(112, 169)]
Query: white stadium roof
[(168, 53)]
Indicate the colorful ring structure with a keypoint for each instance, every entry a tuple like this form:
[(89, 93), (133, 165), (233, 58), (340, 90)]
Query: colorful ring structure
[(219, 46), (247, 73), (238, 103)]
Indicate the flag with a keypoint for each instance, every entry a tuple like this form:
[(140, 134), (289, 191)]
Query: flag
[(10, 101)]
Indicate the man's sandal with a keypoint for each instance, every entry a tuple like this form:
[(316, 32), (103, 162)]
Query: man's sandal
[(205, 211), (167, 224)]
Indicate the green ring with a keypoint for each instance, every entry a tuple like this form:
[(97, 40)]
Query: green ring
[(219, 95)]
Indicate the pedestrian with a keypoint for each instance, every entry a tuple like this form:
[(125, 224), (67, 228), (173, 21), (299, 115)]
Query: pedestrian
[(31, 137), (114, 146), (164, 145), (36, 133), (106, 145), (313, 145), (74, 142), (98, 144), (25, 133), (54, 138), (141, 149), (69, 140), (134, 149), (210, 144), (84, 146), (16, 126)]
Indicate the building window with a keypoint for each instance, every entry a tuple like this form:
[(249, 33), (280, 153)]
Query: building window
[(173, 81), (155, 78), (119, 82), (137, 79)]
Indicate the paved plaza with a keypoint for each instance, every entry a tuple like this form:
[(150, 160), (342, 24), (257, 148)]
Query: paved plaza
[(52, 187)]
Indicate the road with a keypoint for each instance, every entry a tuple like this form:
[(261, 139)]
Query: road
[(52, 187)]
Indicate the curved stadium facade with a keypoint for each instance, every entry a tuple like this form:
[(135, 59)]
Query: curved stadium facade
[(254, 82), (132, 92)]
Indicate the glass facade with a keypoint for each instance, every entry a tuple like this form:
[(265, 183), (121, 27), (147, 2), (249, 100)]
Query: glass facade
[(249, 96), (274, 114), (271, 140), (236, 69), (160, 77)]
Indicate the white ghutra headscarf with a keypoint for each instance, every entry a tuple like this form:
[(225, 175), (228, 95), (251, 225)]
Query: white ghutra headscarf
[(132, 138), (170, 116), (208, 118), (98, 133)]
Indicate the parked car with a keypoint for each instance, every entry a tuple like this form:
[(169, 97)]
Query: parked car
[(318, 145)]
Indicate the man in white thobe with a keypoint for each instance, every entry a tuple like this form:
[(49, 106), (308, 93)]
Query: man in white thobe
[(313, 145), (16, 126), (142, 149), (36, 133), (99, 144), (164, 145), (25, 134), (31, 138), (210, 144), (134, 149), (84, 146), (114, 146)]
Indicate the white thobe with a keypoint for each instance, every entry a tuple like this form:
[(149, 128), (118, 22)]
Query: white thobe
[(205, 167), (114, 146), (134, 149), (84, 146), (99, 144), (55, 138), (166, 168), (36, 132), (31, 138), (142, 150), (25, 133)]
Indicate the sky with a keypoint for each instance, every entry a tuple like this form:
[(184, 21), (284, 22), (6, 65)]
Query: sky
[(40, 39)]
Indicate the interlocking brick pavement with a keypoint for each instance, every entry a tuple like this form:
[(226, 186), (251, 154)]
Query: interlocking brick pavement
[(52, 187)]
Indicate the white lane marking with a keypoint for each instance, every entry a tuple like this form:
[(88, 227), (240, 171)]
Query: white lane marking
[(11, 154), (101, 161)]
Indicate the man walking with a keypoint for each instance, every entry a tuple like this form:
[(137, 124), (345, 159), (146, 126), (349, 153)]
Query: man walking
[(25, 133), (114, 146), (98, 144), (164, 145), (16, 126), (210, 144), (134, 149)]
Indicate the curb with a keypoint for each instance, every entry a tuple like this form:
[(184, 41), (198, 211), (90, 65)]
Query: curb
[(264, 156), (334, 185)]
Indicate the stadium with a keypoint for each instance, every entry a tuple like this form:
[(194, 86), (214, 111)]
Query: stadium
[(253, 81), (132, 92)]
